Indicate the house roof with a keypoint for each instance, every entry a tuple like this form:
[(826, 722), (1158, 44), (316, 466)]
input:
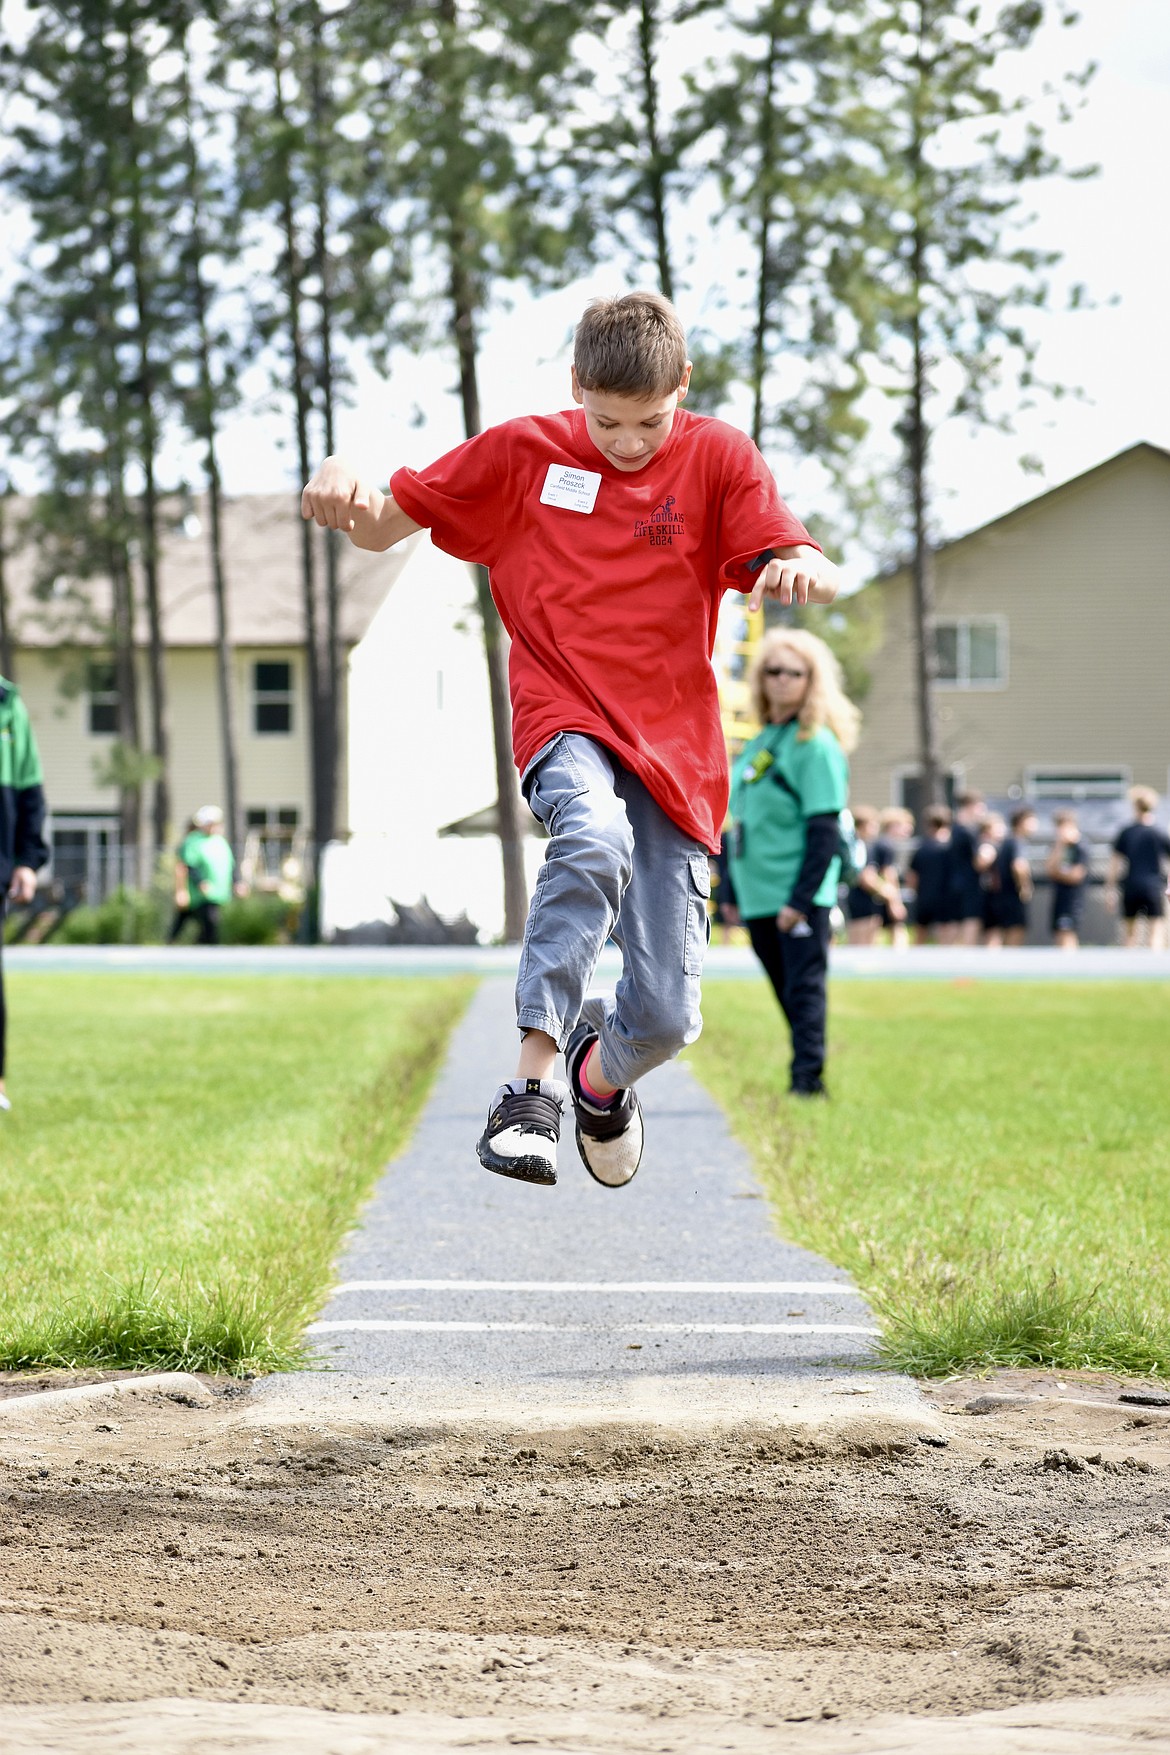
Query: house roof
[(1027, 506), (262, 535)]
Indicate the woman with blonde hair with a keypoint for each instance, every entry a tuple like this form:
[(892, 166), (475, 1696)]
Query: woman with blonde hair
[(788, 788)]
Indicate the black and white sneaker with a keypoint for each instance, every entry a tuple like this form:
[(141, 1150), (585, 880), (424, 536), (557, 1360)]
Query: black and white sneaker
[(523, 1128), (610, 1139)]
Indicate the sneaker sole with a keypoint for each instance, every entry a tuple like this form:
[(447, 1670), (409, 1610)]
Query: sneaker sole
[(536, 1171)]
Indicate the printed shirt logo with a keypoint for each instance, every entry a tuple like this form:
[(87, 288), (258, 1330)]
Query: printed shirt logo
[(662, 526)]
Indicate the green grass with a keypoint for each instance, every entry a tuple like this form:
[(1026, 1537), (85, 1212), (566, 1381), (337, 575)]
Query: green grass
[(184, 1156), (993, 1168)]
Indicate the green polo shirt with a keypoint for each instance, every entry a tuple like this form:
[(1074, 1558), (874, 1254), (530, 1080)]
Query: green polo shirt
[(211, 864), (768, 841)]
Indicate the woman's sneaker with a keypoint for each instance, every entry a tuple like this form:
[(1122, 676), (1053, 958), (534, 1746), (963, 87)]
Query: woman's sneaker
[(523, 1128), (610, 1139)]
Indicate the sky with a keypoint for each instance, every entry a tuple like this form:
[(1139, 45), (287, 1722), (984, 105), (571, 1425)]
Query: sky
[(1111, 232)]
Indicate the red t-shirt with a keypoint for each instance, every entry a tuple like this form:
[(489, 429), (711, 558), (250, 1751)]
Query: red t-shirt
[(612, 612)]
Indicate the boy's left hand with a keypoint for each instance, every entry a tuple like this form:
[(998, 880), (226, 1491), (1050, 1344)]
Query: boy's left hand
[(795, 575)]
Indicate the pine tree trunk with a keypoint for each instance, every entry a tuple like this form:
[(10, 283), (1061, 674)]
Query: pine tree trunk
[(463, 305), (206, 427), (125, 671), (224, 662), (331, 684), (148, 448), (510, 806), (655, 172), (767, 134), (925, 652), (301, 399)]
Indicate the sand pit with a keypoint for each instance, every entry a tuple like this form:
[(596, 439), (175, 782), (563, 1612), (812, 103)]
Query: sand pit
[(628, 1585)]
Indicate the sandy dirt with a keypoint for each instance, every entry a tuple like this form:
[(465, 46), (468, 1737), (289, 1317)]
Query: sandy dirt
[(626, 1587)]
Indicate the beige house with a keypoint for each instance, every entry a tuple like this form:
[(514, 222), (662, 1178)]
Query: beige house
[(1053, 644), (66, 679)]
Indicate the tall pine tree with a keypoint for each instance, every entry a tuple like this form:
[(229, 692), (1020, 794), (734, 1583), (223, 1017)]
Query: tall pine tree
[(466, 140), (940, 280)]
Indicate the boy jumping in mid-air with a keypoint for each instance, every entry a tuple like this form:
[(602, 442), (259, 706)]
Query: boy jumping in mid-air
[(612, 531)]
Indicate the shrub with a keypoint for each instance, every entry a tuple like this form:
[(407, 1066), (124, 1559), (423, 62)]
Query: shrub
[(126, 917), (257, 920)]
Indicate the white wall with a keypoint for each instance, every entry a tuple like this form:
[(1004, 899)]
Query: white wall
[(420, 756)]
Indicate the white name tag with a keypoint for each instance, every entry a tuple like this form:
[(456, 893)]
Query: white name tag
[(575, 489)]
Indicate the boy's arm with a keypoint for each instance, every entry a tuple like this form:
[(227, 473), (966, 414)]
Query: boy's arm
[(798, 573), (337, 499)]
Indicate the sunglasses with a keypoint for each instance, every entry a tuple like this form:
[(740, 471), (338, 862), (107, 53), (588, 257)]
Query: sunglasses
[(781, 670)]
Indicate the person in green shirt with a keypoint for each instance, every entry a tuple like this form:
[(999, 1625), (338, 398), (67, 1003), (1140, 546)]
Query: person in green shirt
[(23, 849), (788, 788), (204, 869)]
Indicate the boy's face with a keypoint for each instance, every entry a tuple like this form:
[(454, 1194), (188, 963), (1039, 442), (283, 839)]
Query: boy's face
[(628, 430)]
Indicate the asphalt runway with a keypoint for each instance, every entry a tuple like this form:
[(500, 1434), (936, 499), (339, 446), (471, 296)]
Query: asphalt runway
[(466, 1277)]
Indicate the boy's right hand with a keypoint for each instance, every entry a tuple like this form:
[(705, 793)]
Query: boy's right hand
[(334, 495)]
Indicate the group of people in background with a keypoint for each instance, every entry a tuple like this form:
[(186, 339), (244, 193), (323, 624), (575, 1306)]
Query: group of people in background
[(969, 879)]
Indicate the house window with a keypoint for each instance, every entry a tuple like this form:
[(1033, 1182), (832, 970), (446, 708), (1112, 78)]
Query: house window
[(86, 857), (270, 839), (272, 697), (908, 790), (972, 652), (101, 687), (274, 822)]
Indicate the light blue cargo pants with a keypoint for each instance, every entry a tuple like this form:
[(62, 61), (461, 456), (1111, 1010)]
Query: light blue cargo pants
[(617, 866)]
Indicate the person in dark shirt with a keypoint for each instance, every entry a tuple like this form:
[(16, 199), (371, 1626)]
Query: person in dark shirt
[(1068, 867), (1137, 863), (965, 876), (897, 827), (878, 887), (1009, 883), (930, 879)]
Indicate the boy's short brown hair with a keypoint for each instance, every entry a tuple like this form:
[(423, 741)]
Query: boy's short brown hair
[(630, 346), (1144, 800), (938, 816)]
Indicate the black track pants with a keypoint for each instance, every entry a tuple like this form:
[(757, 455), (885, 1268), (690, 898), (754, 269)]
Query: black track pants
[(797, 968), (206, 917)]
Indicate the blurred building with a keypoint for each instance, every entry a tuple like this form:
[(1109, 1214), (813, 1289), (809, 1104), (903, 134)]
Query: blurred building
[(1053, 629)]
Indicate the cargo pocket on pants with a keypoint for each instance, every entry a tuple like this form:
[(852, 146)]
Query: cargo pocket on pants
[(698, 921), (552, 779)]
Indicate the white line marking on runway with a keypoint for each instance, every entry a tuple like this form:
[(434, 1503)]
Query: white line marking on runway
[(586, 1328), (726, 1288)]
